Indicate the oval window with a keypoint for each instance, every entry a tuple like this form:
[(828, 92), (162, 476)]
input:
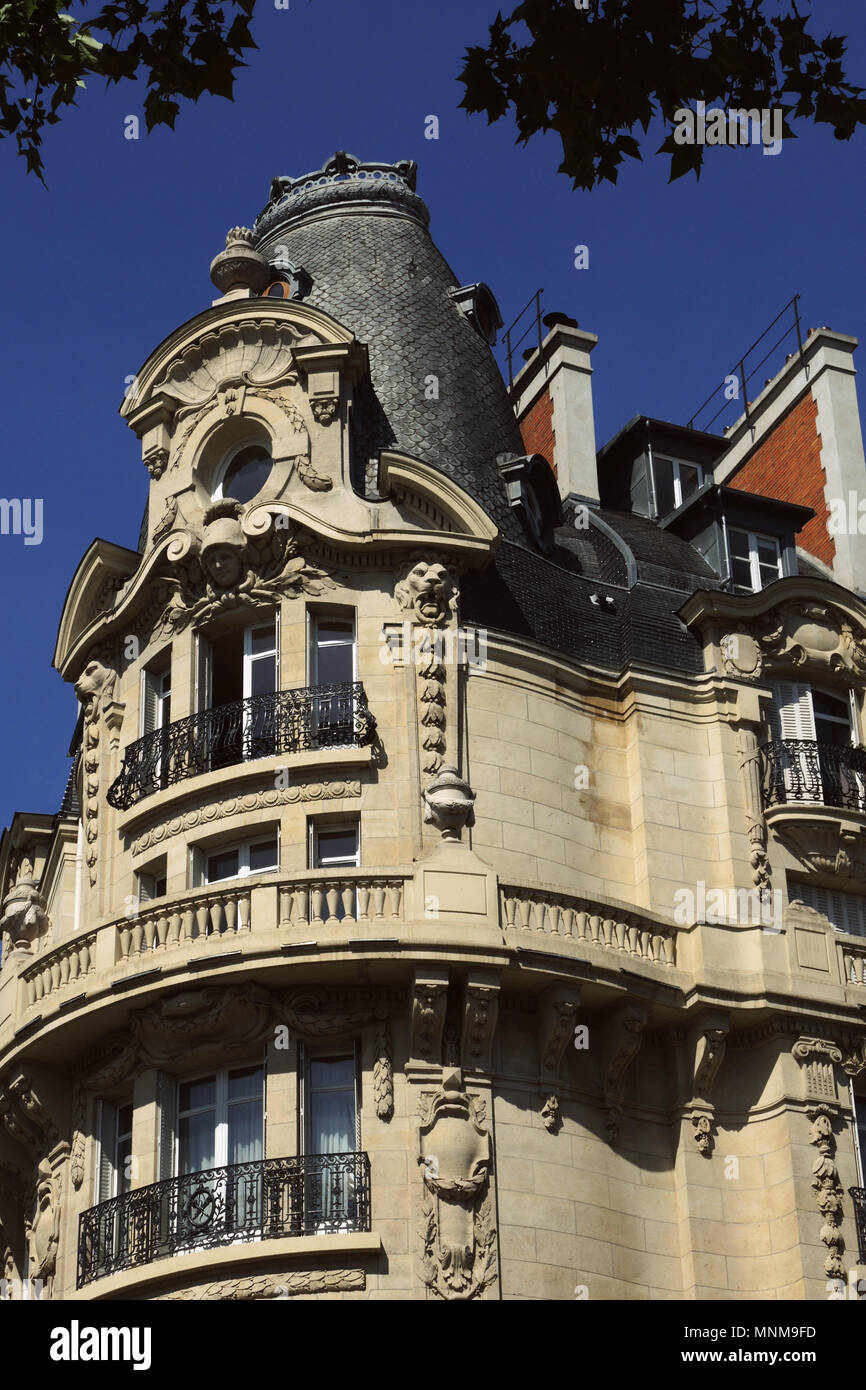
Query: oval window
[(278, 289), (247, 473)]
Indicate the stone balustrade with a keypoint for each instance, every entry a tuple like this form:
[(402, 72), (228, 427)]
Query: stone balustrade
[(346, 898), (853, 964), (219, 913), (527, 909), (66, 964)]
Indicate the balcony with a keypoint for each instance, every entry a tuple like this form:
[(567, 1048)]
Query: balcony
[(801, 771), (313, 1194), (858, 1197), (286, 721)]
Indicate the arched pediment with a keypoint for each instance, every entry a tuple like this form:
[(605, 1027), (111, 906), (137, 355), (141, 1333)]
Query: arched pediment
[(104, 571), (806, 625)]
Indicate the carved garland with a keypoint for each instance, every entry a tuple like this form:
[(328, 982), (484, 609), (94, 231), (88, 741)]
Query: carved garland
[(286, 1285), (95, 689), (428, 592)]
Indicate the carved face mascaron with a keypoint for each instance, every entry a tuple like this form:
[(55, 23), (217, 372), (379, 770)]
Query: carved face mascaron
[(429, 590), (223, 566)]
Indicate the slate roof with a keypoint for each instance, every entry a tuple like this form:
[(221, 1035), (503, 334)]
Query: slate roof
[(376, 270)]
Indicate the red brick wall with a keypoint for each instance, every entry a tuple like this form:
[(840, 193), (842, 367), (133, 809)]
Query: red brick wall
[(787, 465), (536, 428)]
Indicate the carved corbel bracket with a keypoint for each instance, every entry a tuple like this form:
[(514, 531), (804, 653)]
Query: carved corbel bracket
[(25, 1117), (623, 1035), (480, 1012), (756, 824), (428, 1006), (708, 1040), (818, 1057)]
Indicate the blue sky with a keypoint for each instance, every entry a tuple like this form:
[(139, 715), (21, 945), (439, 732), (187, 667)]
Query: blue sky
[(102, 266)]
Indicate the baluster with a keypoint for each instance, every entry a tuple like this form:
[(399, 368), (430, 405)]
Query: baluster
[(525, 910), (202, 917), (231, 910), (318, 902), (567, 920), (378, 896), (217, 917), (347, 895), (173, 936), (125, 937), (161, 929), (74, 963), (149, 933), (301, 906), (332, 894), (244, 912), (55, 974), (582, 926), (31, 992), (363, 887), (285, 912), (554, 916), (509, 907), (64, 968), (187, 925), (137, 937), (395, 890)]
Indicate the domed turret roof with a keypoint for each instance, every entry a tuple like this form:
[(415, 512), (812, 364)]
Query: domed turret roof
[(360, 231)]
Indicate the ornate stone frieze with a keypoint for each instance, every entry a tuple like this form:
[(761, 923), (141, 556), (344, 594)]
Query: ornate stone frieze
[(623, 1037), (238, 805), (429, 1006), (833, 844), (95, 689), (383, 1074), (290, 1284), (458, 1235), (226, 568), (827, 1187), (256, 353), (798, 634)]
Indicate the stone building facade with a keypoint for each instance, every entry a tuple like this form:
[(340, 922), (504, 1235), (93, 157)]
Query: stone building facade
[(458, 893)]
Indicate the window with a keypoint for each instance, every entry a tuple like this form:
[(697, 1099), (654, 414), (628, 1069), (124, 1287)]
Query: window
[(213, 1122), (115, 1149), (155, 700), (245, 474), (330, 1101), (239, 861), (846, 911), (151, 882), (332, 649), (815, 734), (756, 561), (675, 481), (237, 671), (334, 847)]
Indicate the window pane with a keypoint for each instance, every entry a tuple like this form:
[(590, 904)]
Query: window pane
[(245, 1131), (768, 553), (664, 480), (222, 866), (264, 856), (263, 639), (829, 706), (334, 664), (332, 1071), (123, 1167), (330, 629), (194, 1095), (263, 675), (336, 846), (197, 1142), (124, 1119), (247, 474), (245, 1083), (739, 545), (741, 574), (689, 479)]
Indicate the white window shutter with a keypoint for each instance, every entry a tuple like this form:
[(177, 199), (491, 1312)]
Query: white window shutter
[(167, 1100), (107, 1130), (149, 700), (792, 715)]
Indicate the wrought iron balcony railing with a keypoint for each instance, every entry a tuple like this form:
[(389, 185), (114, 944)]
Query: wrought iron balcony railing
[(801, 770), (312, 1194), (286, 721), (858, 1196)]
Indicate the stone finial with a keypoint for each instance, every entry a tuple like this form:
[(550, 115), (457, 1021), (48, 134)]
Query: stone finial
[(239, 266), (449, 799)]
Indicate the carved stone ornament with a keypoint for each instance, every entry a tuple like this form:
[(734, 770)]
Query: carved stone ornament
[(832, 845), (238, 805), (750, 766), (25, 916), (240, 266), (828, 1189), (429, 1006), (818, 1058), (458, 1259), (550, 1115), (798, 634), (43, 1228), (156, 462), (428, 591), (557, 1011), (25, 1118), (449, 804), (623, 1036), (383, 1075), (480, 1012), (95, 689), (704, 1137), (709, 1041), (431, 688), (325, 409), (290, 1284), (226, 568)]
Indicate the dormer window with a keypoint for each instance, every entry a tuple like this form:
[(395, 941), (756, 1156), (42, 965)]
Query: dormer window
[(756, 560), (675, 481), (244, 474)]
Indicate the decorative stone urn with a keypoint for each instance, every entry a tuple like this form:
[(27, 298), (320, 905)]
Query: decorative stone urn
[(449, 801), (24, 916), (240, 267)]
